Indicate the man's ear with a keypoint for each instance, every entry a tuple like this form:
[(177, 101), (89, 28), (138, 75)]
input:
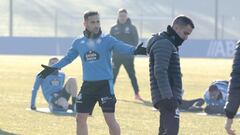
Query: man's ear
[(175, 27)]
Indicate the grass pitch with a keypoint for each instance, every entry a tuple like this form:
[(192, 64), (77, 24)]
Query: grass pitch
[(17, 74)]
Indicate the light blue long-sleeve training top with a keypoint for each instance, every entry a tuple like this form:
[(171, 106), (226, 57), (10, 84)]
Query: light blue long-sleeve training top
[(95, 55)]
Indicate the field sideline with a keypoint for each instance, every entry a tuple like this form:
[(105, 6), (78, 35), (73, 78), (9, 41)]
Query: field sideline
[(17, 74)]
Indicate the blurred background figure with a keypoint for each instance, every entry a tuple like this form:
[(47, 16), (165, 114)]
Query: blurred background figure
[(55, 92), (125, 31)]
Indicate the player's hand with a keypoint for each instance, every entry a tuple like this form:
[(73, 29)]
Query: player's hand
[(46, 71), (228, 126), (140, 50), (33, 107)]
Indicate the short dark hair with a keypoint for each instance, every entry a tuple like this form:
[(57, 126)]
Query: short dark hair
[(213, 88), (183, 21), (89, 13), (122, 10)]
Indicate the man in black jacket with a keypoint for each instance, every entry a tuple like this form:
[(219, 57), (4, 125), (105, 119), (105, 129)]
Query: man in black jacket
[(125, 31), (165, 72), (233, 99)]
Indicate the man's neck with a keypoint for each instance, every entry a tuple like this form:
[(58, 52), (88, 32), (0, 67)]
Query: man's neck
[(92, 35)]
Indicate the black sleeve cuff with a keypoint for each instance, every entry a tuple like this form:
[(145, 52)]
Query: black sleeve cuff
[(229, 114)]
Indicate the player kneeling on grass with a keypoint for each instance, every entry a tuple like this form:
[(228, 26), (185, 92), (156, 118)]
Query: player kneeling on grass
[(54, 90)]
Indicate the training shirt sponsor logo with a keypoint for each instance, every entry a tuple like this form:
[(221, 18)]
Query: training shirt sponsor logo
[(91, 56)]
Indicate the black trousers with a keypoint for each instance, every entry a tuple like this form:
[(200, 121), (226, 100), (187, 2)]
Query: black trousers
[(128, 63), (169, 122)]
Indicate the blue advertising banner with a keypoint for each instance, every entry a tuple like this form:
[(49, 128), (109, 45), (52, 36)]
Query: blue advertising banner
[(59, 46), (34, 46), (208, 48)]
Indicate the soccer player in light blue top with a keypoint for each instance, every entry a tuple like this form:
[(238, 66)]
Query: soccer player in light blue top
[(95, 50), (216, 94), (215, 97), (55, 92)]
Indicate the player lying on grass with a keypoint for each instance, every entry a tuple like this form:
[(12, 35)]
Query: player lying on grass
[(215, 97)]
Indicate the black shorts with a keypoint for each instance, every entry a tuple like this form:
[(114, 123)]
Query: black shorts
[(96, 91)]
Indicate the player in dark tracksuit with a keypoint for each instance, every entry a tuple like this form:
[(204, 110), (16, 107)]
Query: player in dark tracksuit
[(165, 72), (233, 98), (125, 31)]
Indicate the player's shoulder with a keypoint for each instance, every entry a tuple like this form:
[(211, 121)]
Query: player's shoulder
[(220, 82), (78, 40), (106, 36), (37, 77), (61, 73)]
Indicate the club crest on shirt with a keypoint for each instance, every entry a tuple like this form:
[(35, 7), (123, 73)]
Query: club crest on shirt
[(91, 56)]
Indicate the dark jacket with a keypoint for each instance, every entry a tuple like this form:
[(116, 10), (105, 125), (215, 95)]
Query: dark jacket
[(165, 72), (233, 99), (126, 32)]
